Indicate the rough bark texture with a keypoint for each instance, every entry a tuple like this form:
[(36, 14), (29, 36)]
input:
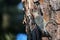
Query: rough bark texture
[(50, 10)]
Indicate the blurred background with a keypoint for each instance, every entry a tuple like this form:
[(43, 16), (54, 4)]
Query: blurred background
[(11, 18)]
